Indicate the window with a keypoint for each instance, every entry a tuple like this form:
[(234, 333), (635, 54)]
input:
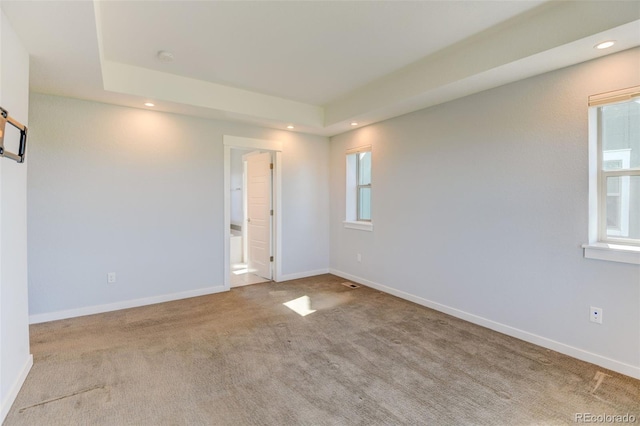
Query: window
[(614, 186), (358, 200)]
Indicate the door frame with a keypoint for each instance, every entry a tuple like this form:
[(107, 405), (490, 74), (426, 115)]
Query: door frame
[(276, 236)]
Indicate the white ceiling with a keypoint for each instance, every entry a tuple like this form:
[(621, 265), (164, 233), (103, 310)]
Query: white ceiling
[(313, 52), (316, 65)]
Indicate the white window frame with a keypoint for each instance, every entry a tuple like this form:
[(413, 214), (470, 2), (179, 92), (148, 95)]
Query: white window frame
[(352, 199), (601, 245)]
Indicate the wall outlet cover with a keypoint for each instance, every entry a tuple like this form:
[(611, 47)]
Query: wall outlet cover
[(595, 314)]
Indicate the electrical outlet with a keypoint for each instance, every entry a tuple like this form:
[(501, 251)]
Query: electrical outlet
[(359, 257), (111, 277), (595, 314)]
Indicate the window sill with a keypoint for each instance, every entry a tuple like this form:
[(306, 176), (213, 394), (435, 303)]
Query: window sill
[(612, 252), (361, 226)]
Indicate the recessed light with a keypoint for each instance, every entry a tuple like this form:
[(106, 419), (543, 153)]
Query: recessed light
[(164, 56), (353, 123), (605, 44), (149, 104), (290, 127)]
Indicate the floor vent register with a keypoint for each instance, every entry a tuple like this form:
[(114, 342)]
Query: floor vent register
[(350, 284)]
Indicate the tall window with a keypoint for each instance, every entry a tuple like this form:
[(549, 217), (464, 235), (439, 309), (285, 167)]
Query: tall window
[(358, 188), (615, 120)]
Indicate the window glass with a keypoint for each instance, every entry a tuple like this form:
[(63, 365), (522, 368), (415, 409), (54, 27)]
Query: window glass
[(358, 185), (611, 164), (613, 205), (614, 176), (623, 207), (619, 175), (620, 127), (364, 208), (364, 171)]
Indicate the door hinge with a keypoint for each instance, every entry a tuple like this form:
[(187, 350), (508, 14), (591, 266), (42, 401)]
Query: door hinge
[(271, 166), (271, 258), (271, 212)]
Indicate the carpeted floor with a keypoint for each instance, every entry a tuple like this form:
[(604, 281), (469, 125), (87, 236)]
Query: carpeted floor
[(362, 358)]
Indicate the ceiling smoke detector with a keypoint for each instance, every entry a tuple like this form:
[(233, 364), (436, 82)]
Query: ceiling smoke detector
[(164, 56)]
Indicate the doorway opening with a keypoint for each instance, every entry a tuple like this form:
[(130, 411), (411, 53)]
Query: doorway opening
[(251, 213), (252, 206)]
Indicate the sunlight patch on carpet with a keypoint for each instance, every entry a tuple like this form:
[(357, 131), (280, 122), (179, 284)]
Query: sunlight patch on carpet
[(301, 306)]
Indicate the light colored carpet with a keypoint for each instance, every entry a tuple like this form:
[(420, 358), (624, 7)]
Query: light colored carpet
[(362, 358)]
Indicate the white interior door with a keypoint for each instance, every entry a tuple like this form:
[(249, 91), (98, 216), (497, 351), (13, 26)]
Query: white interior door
[(259, 214)]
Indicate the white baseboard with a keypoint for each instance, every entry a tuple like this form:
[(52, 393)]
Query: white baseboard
[(611, 364), (7, 401), (125, 304), (299, 275)]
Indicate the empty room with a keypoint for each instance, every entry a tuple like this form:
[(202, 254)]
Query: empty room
[(319, 212)]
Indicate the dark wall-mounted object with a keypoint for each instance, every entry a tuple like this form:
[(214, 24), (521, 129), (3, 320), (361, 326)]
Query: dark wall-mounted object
[(4, 119)]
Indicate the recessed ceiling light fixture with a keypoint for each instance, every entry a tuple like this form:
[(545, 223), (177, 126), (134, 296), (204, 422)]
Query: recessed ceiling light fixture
[(353, 123), (605, 44), (290, 127), (149, 104), (164, 56)]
